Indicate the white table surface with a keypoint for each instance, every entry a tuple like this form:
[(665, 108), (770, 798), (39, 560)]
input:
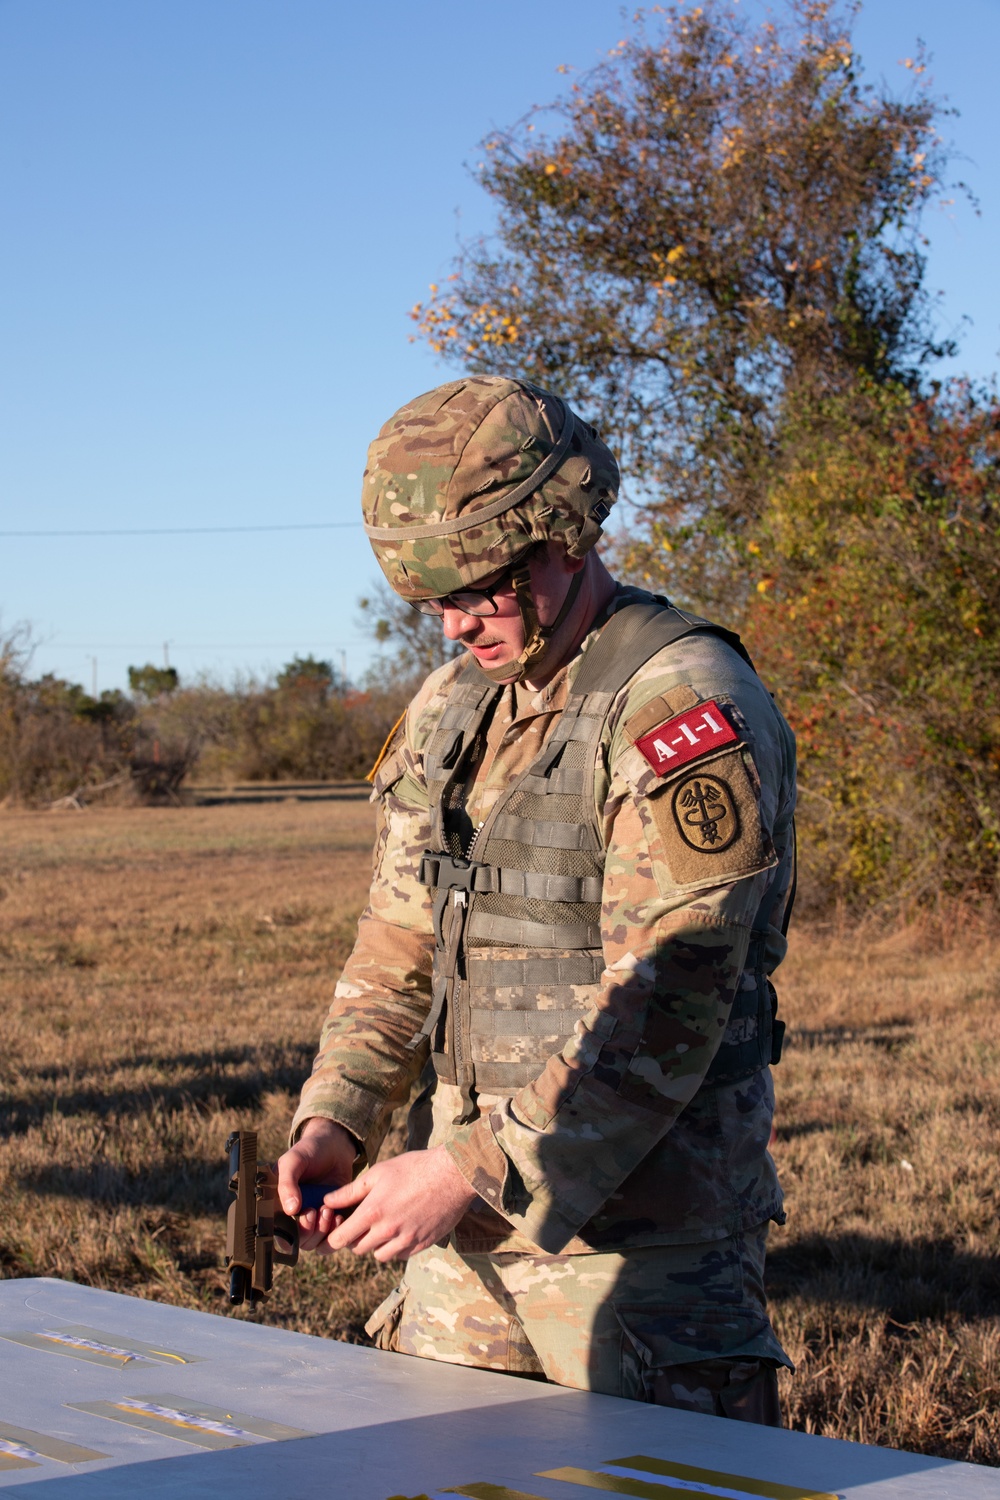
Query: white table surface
[(372, 1425)]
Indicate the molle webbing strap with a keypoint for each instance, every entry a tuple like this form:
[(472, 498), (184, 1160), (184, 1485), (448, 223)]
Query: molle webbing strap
[(553, 1023), (576, 726), (506, 1077), (533, 973), (451, 873), (521, 932), (543, 831), (565, 780), (551, 887)]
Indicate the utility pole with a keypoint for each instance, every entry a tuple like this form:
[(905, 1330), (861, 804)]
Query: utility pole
[(166, 654), (93, 676), (343, 670)]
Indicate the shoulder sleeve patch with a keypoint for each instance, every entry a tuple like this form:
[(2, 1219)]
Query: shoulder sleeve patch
[(672, 742), (709, 822)]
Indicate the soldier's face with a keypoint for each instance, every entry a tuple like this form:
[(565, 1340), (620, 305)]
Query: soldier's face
[(495, 640)]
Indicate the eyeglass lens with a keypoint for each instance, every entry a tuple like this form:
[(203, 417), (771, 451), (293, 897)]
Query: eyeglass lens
[(469, 601)]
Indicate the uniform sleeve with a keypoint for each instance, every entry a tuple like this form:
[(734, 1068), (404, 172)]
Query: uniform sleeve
[(676, 925), (366, 1061)]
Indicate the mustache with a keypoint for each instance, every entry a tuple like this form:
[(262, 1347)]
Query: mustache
[(481, 642)]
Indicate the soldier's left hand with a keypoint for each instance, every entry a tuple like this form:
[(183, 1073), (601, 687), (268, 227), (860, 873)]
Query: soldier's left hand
[(401, 1206)]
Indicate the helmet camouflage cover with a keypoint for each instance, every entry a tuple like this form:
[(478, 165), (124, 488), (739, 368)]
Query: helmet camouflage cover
[(462, 481)]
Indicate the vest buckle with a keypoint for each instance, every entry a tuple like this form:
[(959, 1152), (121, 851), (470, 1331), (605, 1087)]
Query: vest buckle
[(450, 872)]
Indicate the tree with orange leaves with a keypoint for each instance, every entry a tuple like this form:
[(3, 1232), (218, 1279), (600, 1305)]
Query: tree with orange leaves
[(718, 216)]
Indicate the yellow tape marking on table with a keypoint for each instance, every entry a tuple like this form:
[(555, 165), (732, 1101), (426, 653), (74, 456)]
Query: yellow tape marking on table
[(641, 1476)]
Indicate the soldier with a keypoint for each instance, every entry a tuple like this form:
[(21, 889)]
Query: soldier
[(582, 875)]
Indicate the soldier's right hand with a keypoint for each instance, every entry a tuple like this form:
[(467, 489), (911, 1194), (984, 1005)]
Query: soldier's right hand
[(324, 1152)]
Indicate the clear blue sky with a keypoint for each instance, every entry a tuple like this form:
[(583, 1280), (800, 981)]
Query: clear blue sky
[(216, 215)]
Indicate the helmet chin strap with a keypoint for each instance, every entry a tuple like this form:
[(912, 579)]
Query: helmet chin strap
[(537, 637)]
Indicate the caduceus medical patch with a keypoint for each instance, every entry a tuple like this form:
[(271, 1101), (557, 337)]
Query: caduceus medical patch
[(706, 814)]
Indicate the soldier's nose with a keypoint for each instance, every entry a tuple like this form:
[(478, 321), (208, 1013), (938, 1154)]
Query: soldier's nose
[(455, 623)]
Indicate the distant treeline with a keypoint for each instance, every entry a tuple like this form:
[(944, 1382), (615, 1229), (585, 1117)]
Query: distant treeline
[(305, 723), (58, 741)]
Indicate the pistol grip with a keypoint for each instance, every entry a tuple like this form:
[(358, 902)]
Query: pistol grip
[(286, 1231)]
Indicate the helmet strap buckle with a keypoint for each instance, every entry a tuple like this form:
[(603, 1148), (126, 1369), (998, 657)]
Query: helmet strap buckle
[(537, 637)]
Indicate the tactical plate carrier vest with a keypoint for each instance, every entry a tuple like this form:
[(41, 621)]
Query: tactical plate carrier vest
[(519, 959)]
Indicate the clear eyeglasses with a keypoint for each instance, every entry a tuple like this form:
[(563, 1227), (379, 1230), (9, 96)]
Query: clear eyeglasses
[(469, 601)]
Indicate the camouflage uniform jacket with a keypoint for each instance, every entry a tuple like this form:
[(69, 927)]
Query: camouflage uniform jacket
[(616, 1143)]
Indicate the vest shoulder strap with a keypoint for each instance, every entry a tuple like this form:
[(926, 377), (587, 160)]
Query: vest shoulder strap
[(634, 634)]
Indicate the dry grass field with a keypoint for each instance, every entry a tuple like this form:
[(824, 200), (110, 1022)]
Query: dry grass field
[(164, 976)]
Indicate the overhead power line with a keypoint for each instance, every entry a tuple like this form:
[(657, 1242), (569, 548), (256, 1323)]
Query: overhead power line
[(200, 645), (189, 530)]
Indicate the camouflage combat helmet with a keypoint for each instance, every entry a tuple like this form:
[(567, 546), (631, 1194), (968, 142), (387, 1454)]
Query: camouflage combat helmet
[(464, 481)]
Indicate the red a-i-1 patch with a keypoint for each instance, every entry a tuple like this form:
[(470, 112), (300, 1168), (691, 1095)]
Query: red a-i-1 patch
[(686, 737)]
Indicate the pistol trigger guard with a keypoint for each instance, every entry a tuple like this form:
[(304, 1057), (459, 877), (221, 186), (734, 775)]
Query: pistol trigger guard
[(286, 1230)]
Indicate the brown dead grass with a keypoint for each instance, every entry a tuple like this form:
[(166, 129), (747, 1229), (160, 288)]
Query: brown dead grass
[(164, 972), (886, 1282), (164, 976)]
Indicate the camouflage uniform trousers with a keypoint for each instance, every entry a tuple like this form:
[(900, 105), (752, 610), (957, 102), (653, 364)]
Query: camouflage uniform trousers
[(675, 1325)]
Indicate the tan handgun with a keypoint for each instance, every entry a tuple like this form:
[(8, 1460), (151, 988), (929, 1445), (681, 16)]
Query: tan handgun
[(259, 1234)]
